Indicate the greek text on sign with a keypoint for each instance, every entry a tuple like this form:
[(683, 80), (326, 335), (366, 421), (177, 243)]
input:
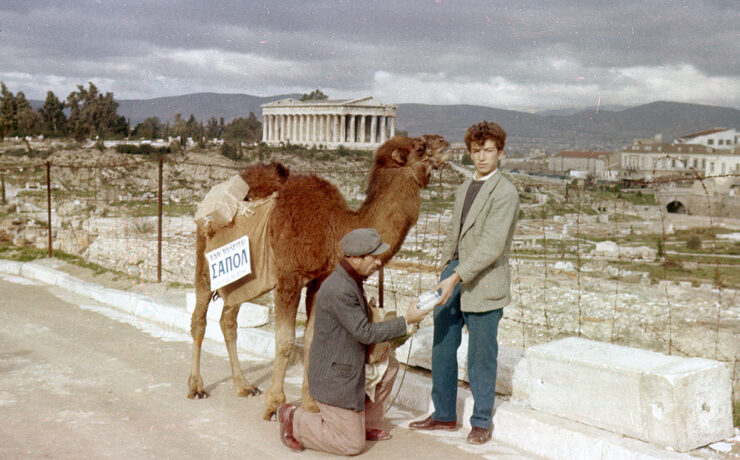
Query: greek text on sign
[(229, 262)]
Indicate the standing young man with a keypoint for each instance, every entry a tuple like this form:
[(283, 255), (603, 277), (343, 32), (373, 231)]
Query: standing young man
[(336, 370), (474, 285)]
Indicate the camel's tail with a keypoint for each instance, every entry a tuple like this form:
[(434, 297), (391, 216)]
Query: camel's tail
[(264, 179)]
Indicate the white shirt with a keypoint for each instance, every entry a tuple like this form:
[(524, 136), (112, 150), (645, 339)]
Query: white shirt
[(486, 177)]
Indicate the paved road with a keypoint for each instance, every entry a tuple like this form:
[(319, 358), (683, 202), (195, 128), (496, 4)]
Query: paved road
[(77, 384)]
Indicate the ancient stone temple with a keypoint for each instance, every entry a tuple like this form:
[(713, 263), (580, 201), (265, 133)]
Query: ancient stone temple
[(362, 123)]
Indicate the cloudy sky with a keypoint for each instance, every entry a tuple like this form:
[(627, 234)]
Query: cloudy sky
[(520, 55)]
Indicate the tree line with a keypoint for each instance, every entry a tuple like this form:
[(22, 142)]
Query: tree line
[(88, 113)]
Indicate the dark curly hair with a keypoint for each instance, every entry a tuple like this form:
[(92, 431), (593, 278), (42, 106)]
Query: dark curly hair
[(481, 132)]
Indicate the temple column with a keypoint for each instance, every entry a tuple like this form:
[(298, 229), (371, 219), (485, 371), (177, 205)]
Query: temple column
[(314, 122), (327, 128), (382, 130), (373, 128), (283, 127), (352, 121), (362, 129), (393, 126), (301, 128), (306, 130), (264, 127), (335, 134), (342, 129)]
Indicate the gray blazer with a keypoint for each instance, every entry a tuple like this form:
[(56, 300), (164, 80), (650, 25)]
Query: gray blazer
[(342, 333), (484, 241)]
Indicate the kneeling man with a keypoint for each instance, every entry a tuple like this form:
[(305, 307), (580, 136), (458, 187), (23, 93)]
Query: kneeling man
[(336, 370)]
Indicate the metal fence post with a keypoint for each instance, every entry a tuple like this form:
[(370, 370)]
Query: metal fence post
[(380, 287), (2, 180), (159, 231), (48, 200)]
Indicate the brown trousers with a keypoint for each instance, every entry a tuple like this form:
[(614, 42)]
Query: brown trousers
[(342, 431)]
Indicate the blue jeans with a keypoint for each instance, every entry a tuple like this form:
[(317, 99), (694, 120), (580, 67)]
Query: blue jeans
[(482, 358)]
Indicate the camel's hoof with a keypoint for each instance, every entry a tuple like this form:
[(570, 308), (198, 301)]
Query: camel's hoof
[(310, 405), (195, 394), (249, 391), (269, 414)]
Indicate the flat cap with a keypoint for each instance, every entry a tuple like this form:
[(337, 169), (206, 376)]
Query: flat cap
[(363, 241)]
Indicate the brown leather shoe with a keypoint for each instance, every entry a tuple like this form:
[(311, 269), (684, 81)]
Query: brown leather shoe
[(479, 435), (430, 424), (371, 434), (285, 417)]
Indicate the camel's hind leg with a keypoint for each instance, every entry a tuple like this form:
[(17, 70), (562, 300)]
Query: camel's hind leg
[(312, 289), (288, 293), (228, 327)]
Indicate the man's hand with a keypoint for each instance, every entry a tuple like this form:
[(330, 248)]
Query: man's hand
[(414, 315), (447, 286)]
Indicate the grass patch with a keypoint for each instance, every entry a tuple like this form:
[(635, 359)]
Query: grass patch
[(28, 254), (178, 285)]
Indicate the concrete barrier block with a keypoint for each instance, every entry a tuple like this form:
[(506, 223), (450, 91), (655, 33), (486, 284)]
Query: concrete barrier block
[(557, 438), (255, 341), (414, 391), (11, 267), (681, 403), (421, 356), (76, 285), (40, 273), (250, 314)]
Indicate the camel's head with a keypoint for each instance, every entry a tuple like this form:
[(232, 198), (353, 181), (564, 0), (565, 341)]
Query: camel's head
[(436, 147), (419, 154)]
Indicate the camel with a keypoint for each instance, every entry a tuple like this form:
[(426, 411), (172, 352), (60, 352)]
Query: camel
[(305, 227)]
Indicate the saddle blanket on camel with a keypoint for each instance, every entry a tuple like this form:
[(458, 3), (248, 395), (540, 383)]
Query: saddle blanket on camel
[(240, 218)]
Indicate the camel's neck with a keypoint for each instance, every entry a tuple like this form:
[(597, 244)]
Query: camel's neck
[(391, 205)]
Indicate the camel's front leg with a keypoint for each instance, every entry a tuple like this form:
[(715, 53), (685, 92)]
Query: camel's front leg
[(198, 331), (308, 402), (228, 327), (287, 296), (312, 289)]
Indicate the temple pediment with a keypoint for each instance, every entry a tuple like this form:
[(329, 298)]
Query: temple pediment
[(367, 101)]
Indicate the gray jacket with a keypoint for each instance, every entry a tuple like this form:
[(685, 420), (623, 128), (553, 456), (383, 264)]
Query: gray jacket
[(342, 333), (484, 241)]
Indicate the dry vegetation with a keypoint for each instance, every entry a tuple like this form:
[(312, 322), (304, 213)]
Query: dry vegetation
[(682, 298)]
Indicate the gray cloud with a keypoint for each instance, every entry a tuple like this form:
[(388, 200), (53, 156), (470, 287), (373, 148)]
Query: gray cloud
[(519, 55)]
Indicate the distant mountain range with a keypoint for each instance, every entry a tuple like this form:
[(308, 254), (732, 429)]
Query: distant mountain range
[(552, 130)]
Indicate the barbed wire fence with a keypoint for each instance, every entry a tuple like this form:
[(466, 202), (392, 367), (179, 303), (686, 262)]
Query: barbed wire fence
[(78, 207)]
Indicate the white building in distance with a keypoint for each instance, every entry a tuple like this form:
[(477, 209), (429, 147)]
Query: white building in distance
[(646, 160), (362, 123), (717, 138)]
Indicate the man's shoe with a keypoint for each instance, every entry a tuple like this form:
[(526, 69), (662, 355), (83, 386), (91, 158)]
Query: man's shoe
[(430, 424), (479, 435), (371, 434), (285, 417)]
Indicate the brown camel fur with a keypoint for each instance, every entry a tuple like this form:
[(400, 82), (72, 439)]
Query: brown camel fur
[(309, 218)]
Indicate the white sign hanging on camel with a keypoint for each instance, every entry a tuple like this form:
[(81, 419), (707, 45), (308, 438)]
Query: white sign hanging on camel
[(229, 262)]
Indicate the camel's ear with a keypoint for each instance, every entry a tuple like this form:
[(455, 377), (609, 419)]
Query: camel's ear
[(400, 156), (420, 144)]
